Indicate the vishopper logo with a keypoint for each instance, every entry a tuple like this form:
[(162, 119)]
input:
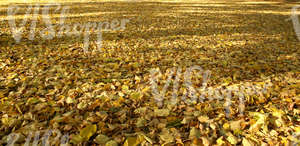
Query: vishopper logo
[(191, 95), (159, 96), (49, 32), (295, 20), (39, 138), (296, 139)]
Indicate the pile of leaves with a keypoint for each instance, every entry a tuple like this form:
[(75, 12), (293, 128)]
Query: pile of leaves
[(105, 98)]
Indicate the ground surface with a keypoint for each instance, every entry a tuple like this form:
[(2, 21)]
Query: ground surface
[(106, 97)]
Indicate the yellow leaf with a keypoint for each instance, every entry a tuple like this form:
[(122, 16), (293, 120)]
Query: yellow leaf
[(101, 139), (236, 125), (220, 141), (88, 131), (247, 142), (125, 88), (135, 95), (132, 141), (232, 139), (76, 139), (166, 136), (2, 94), (205, 141), (203, 119), (146, 89), (194, 133), (226, 126), (142, 137), (111, 143), (162, 112), (261, 121), (297, 129)]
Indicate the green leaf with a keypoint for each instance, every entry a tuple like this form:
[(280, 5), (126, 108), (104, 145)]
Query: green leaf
[(76, 139)]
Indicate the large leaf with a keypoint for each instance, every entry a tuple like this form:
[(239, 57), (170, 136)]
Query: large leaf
[(88, 131)]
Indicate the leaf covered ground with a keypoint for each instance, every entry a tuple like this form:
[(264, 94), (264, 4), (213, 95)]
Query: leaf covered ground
[(105, 98)]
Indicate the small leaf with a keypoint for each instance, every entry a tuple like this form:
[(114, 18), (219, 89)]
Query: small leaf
[(203, 119), (135, 96), (101, 139), (140, 122), (166, 136), (194, 133), (162, 112), (76, 139), (247, 142), (69, 100), (132, 141), (220, 141), (125, 88), (111, 143), (232, 139)]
